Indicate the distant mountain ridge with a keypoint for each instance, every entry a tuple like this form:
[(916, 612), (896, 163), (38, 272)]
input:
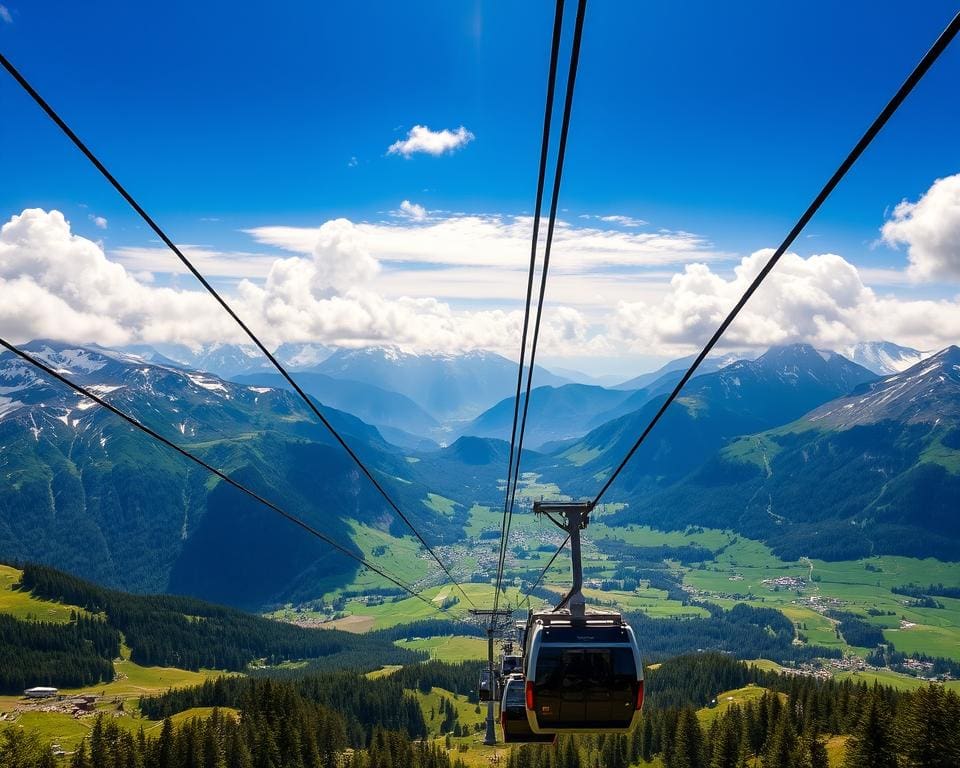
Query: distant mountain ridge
[(449, 387), (711, 364), (95, 496), (741, 398), (555, 413), (374, 405), (884, 357), (874, 471)]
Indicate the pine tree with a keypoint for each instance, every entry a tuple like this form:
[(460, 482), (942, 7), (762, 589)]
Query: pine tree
[(871, 744), (782, 745), (688, 746), (817, 754), (725, 745), (646, 741), (928, 732)]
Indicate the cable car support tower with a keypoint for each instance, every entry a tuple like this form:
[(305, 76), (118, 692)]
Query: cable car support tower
[(496, 620), (572, 517)]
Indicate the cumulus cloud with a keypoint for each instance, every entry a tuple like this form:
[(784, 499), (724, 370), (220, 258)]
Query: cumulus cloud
[(412, 211), (54, 283), (98, 221), (340, 261), (610, 292), (821, 300), (421, 139), (930, 228), (5, 15)]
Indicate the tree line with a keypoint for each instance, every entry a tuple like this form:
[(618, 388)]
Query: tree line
[(788, 726), (165, 630), (72, 654)]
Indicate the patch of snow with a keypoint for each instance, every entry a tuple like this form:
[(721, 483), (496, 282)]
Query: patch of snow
[(8, 405), (102, 389), (103, 442), (260, 390), (208, 384), (65, 419)]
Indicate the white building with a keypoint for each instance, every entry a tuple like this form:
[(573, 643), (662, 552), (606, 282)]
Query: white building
[(40, 692)]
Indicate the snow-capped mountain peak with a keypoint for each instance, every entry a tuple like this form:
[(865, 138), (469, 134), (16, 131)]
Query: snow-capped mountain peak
[(884, 357), (927, 392)]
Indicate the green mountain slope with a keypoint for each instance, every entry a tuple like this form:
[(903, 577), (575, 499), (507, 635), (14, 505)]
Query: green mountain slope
[(87, 492), (875, 472), (742, 398)]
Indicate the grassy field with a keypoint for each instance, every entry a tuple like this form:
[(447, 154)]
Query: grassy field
[(739, 572), (400, 557), (727, 699), (24, 606), (409, 609), (453, 649), (440, 504), (133, 681)]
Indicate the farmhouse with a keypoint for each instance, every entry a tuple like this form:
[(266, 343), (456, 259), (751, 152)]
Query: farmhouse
[(40, 692)]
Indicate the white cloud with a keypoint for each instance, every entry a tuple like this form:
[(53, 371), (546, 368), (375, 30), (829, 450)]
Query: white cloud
[(619, 219), (352, 162), (98, 221), (930, 228), (412, 211), (422, 139), (504, 241), (5, 15), (449, 283), (60, 285), (340, 261), (56, 284), (821, 300)]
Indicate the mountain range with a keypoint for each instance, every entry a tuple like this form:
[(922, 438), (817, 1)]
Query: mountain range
[(875, 471), (801, 448), (87, 492)]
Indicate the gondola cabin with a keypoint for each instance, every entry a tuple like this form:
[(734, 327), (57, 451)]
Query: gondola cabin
[(510, 663), (583, 674), (487, 687), (513, 715)]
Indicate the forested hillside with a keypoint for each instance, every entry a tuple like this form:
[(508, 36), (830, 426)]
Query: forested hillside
[(701, 711), (161, 630)]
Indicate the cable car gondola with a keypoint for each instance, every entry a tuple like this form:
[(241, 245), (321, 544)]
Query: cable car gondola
[(583, 670), (510, 663), (487, 689), (584, 674), (513, 715)]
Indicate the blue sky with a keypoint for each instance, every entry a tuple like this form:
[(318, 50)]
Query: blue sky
[(720, 120)]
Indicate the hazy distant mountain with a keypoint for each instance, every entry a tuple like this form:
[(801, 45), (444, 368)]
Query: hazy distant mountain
[(298, 357), (579, 377), (884, 357), (452, 386), (370, 403), (555, 413), (95, 496), (874, 472), (224, 360), (474, 469), (744, 397), (678, 366)]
